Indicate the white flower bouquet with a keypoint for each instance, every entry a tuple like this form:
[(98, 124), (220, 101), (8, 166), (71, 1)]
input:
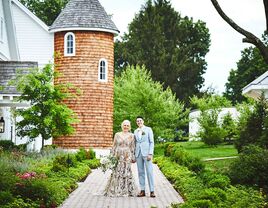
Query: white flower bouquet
[(108, 162)]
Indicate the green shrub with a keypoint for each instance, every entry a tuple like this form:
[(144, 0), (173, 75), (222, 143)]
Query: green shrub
[(5, 197), (64, 162), (7, 144), (93, 163), (237, 197), (40, 190), (215, 195), (199, 203), (182, 157), (216, 180), (20, 203), (81, 155), (91, 154), (251, 167)]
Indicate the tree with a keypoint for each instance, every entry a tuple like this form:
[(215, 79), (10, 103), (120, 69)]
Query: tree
[(252, 129), (135, 93), (46, 10), (47, 116), (249, 37), (211, 131), (249, 67), (172, 47)]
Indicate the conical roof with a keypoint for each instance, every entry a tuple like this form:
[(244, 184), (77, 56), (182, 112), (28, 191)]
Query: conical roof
[(84, 15)]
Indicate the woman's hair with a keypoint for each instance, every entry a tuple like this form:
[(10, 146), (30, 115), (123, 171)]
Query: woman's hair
[(126, 122)]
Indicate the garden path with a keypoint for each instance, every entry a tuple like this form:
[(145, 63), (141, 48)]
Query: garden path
[(88, 194)]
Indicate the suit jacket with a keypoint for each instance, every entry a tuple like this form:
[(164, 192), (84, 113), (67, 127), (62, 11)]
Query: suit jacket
[(145, 143)]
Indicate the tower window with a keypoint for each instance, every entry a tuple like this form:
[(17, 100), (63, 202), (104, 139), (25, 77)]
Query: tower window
[(69, 44), (103, 70)]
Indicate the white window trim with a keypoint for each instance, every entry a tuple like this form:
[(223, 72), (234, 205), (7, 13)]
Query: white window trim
[(106, 70), (65, 44)]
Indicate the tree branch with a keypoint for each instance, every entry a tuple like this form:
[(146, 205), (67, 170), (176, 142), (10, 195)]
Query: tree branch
[(249, 37)]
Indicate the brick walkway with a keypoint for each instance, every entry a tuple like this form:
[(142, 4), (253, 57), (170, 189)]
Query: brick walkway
[(89, 193)]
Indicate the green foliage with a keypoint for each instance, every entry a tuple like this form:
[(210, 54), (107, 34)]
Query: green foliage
[(251, 126), (7, 144), (19, 203), (182, 157), (6, 197), (211, 130), (197, 190), (170, 46), (251, 167), (83, 154), (64, 162), (46, 10), (229, 125), (214, 180), (249, 67), (93, 163), (47, 116), (135, 93)]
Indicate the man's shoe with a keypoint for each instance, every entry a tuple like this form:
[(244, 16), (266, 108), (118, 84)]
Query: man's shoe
[(152, 194), (141, 194)]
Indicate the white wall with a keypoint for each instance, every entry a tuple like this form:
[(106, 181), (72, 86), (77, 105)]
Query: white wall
[(4, 49), (194, 126), (35, 43), (10, 132)]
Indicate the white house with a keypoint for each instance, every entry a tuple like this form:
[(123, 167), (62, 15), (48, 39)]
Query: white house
[(24, 42), (194, 126), (257, 87)]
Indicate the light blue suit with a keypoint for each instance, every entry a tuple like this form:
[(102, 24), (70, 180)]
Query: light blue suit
[(144, 147)]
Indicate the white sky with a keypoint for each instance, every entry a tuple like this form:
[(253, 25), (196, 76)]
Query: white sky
[(226, 43)]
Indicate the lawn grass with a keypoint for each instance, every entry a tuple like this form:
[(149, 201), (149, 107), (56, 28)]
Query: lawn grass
[(204, 151), (219, 166)]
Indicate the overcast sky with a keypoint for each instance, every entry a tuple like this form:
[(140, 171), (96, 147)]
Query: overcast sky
[(226, 43)]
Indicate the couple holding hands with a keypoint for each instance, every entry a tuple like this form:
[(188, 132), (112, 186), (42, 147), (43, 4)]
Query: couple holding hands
[(130, 148)]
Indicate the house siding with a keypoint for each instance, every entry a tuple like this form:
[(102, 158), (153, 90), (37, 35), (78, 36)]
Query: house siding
[(4, 49), (94, 107), (34, 42)]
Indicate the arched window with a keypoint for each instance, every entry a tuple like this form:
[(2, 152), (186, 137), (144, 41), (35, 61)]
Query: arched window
[(103, 70), (69, 44)]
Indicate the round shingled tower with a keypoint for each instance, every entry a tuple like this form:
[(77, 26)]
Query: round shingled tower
[(84, 40)]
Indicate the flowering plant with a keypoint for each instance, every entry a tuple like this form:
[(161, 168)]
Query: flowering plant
[(108, 162)]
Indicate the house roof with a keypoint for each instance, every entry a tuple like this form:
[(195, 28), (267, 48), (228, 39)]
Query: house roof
[(84, 15), (8, 72), (257, 86)]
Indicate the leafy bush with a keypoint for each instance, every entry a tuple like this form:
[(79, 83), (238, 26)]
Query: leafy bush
[(19, 203), (7, 144), (93, 163), (216, 180), (63, 162), (83, 154), (251, 167), (40, 190), (251, 126), (182, 157), (211, 131), (6, 197)]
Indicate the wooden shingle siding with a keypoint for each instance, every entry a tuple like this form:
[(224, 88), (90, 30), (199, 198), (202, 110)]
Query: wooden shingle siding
[(94, 107)]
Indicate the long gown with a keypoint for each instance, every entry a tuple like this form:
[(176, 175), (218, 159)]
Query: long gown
[(121, 182)]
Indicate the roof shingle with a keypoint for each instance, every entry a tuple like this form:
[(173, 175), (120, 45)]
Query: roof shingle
[(84, 14)]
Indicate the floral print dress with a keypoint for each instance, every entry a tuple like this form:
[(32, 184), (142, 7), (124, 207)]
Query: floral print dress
[(121, 182)]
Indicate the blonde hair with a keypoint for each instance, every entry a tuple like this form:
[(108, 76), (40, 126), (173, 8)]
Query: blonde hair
[(126, 121)]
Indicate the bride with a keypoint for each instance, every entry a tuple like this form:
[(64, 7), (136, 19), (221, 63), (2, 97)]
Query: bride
[(121, 182)]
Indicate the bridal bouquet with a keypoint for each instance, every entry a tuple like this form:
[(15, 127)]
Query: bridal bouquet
[(108, 162)]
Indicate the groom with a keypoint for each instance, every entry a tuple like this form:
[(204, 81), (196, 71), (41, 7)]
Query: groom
[(144, 153)]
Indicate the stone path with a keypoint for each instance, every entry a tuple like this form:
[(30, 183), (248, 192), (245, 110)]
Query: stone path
[(89, 193)]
